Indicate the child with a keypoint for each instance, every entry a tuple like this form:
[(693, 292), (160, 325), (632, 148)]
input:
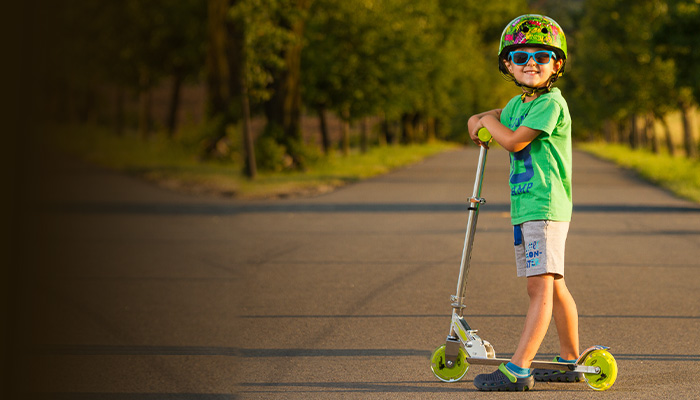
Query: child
[(536, 128)]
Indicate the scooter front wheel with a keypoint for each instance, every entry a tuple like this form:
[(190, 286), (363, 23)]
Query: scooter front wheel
[(608, 370), (446, 374)]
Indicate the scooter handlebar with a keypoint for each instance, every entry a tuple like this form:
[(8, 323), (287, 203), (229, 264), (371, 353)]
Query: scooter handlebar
[(484, 135)]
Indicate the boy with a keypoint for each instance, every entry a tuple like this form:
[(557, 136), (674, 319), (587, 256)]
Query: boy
[(536, 128)]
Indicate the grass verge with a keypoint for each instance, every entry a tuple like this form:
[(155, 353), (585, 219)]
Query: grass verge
[(174, 164), (680, 175)]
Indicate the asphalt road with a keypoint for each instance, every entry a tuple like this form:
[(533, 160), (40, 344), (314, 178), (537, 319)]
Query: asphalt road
[(123, 290)]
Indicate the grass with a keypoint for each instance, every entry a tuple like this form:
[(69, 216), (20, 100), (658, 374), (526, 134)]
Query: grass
[(174, 164), (678, 174), (337, 170)]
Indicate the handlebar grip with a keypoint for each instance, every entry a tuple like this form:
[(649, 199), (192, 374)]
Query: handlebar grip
[(484, 135)]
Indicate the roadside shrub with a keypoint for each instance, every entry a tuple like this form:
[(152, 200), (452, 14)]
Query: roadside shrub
[(269, 155)]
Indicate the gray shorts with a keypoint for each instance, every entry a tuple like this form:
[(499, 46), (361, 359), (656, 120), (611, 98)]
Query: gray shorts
[(539, 247)]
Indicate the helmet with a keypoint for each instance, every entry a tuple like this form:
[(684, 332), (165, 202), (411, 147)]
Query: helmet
[(532, 30), (535, 30)]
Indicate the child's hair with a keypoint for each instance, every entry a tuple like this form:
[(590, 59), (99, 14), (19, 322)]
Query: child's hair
[(532, 30)]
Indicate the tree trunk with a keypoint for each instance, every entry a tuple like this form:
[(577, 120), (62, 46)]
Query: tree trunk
[(633, 133), (284, 107), (388, 131), (407, 128), (364, 135), (345, 132), (216, 61), (608, 133), (650, 133), (621, 132), (224, 68), (418, 127), (145, 103), (325, 140), (667, 134), (688, 131), (171, 122), (643, 135), (251, 170), (431, 129)]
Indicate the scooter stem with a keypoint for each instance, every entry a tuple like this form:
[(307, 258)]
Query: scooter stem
[(474, 202)]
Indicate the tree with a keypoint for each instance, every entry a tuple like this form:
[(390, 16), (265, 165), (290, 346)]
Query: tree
[(227, 77), (676, 41), (223, 62), (623, 77), (419, 63), (184, 38), (287, 19)]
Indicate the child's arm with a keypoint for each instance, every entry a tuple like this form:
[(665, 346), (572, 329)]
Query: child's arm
[(474, 119), (512, 141), (473, 125)]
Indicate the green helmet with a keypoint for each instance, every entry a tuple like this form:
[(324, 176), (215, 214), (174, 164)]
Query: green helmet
[(532, 30)]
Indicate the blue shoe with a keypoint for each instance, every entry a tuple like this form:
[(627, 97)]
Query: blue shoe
[(551, 375), (503, 380)]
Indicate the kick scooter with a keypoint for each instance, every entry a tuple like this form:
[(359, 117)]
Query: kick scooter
[(463, 346)]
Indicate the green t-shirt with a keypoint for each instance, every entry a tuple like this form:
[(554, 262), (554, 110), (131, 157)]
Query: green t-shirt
[(540, 174)]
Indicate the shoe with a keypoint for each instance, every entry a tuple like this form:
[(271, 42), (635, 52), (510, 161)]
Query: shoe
[(551, 375), (503, 380)]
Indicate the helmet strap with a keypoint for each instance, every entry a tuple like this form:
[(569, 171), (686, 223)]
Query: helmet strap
[(529, 91)]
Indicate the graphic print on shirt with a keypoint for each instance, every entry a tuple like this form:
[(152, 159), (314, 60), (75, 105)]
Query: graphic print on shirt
[(520, 182)]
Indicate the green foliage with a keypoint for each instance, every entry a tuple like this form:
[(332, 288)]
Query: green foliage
[(676, 40), (276, 153), (428, 60), (270, 155), (266, 35), (623, 76), (84, 46), (128, 152), (173, 163), (434, 58)]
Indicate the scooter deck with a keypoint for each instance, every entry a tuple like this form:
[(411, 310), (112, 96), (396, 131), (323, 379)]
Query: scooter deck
[(535, 364)]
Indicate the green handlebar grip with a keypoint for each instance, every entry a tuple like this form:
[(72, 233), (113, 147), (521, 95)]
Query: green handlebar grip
[(484, 135)]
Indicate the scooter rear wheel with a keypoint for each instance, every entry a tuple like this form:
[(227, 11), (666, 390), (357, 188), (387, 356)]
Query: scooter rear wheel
[(442, 371), (608, 370)]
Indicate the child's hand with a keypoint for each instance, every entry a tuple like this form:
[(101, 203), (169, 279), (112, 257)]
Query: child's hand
[(474, 125)]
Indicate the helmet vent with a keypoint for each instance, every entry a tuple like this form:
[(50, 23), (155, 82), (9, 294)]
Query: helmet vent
[(545, 31)]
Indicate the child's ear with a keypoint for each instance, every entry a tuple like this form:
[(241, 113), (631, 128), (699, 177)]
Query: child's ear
[(558, 64), (508, 65)]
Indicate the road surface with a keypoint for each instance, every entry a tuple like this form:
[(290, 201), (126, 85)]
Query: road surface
[(123, 290)]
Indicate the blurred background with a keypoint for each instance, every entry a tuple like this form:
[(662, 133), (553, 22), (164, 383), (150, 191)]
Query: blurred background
[(232, 93), (266, 85)]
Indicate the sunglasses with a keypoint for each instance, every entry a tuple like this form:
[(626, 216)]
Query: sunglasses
[(541, 57)]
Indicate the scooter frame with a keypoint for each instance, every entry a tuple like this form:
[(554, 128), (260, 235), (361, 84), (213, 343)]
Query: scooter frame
[(478, 351)]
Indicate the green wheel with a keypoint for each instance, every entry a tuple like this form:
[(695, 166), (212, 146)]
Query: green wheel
[(442, 371), (608, 370)]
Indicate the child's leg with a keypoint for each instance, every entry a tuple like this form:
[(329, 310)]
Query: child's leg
[(540, 288), (566, 319)]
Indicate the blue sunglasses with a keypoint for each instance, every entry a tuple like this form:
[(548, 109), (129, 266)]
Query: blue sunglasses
[(541, 57)]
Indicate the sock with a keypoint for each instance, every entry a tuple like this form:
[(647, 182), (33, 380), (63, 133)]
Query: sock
[(517, 371), (559, 359)]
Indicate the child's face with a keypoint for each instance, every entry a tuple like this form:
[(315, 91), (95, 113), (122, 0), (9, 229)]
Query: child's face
[(533, 74)]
